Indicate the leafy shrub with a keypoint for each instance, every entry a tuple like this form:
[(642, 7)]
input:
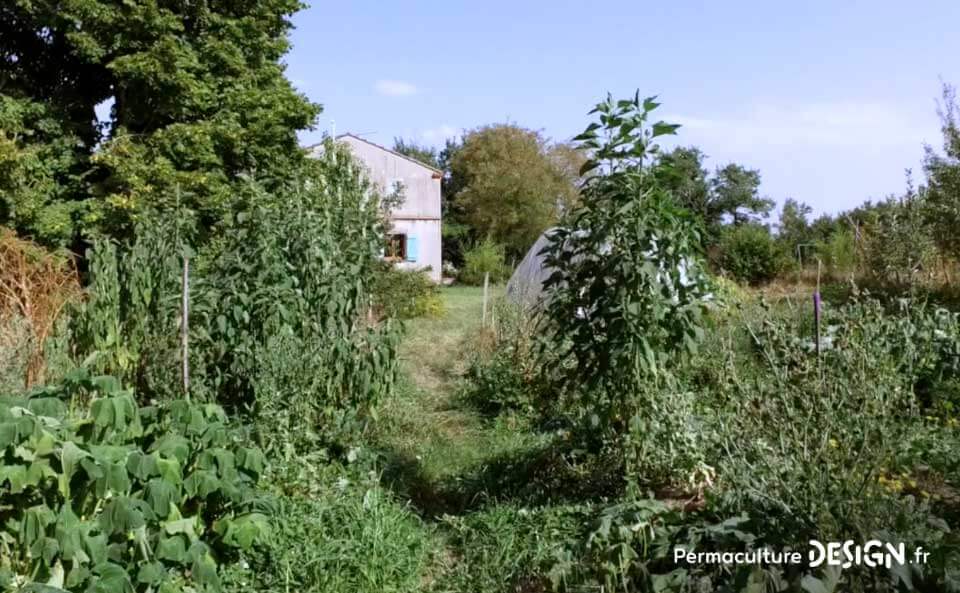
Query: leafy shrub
[(128, 325), (405, 294), (808, 440), (299, 270), (750, 254), (898, 247), (839, 254), (482, 258), (99, 494), (503, 372)]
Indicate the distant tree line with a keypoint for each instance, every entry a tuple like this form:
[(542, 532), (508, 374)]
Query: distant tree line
[(504, 184)]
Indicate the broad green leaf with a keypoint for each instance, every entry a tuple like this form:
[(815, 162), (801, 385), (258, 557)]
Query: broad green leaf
[(70, 456), (662, 129), (110, 578), (201, 483), (173, 549), (186, 526), (242, 532), (160, 495), (122, 515), (142, 465), (151, 573)]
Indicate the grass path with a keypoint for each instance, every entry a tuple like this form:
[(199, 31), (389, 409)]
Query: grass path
[(431, 433), (440, 452)]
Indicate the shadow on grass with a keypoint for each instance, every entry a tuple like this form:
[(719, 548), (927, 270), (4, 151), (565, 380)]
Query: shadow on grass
[(549, 474)]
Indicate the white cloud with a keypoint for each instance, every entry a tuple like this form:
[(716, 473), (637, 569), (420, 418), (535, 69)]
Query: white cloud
[(395, 88), (439, 134), (835, 124)]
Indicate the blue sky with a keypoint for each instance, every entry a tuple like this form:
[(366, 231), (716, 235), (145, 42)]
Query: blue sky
[(831, 100)]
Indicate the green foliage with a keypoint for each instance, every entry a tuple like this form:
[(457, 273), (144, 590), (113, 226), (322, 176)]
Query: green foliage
[(731, 194), (509, 549), (277, 305), (829, 428), (482, 258), (102, 495), (750, 254), (626, 295), (805, 427), (198, 93), (685, 177), (839, 254), (898, 248), (128, 325), (405, 294), (298, 269), (737, 192), (794, 229), (352, 538), (39, 171), (511, 184), (625, 546), (425, 154), (943, 175), (504, 375)]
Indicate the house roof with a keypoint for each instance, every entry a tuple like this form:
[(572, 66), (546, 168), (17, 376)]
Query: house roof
[(384, 148)]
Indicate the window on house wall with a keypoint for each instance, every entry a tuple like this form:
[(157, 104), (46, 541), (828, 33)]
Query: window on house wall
[(401, 247), (397, 247)]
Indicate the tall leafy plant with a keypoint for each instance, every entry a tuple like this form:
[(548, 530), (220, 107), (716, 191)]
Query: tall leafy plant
[(627, 289), (279, 324), (288, 299), (128, 325)]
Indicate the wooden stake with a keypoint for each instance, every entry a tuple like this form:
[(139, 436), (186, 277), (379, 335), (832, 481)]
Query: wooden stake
[(486, 288), (816, 311), (185, 327)]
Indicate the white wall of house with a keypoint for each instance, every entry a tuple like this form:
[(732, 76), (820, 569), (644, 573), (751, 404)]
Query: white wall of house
[(426, 238), (418, 216)]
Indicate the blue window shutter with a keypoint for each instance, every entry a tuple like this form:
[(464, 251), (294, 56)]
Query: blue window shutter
[(411, 248)]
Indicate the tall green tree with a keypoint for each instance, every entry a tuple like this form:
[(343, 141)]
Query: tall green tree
[(736, 191), (731, 194), (419, 152), (685, 178), (198, 97), (512, 184), (943, 178), (899, 247), (825, 225), (794, 226)]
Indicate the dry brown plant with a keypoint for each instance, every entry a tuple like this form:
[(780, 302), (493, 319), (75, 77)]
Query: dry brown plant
[(35, 286)]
